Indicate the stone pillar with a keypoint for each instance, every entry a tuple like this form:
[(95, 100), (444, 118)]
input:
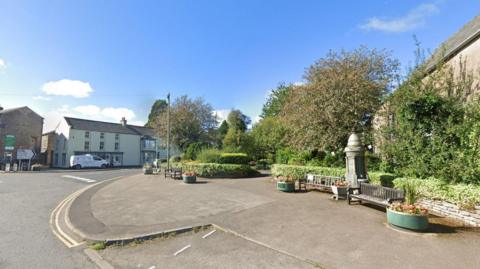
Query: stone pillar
[(355, 161)]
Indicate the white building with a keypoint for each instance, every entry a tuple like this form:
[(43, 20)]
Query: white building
[(120, 144)]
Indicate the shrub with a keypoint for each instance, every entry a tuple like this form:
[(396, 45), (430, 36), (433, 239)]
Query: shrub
[(219, 170), (464, 195), (209, 156), (283, 155), (297, 172), (175, 159), (381, 178), (193, 150), (234, 158)]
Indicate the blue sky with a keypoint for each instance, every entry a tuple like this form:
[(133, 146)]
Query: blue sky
[(108, 59)]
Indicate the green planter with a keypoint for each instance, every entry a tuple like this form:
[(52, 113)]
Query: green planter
[(407, 221), (189, 179), (286, 186)]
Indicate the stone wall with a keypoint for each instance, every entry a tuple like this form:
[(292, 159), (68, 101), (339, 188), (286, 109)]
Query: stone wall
[(445, 209)]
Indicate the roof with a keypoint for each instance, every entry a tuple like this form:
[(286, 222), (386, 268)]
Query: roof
[(108, 127), (24, 108), (469, 33)]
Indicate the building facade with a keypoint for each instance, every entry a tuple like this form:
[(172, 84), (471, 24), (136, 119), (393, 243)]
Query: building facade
[(20, 128), (120, 144)]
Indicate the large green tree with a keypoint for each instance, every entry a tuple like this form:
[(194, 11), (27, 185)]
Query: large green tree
[(342, 92), (191, 120), (276, 100), (268, 135), (159, 107), (237, 120)]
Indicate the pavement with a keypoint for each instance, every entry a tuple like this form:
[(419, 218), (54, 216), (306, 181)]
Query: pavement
[(309, 226), (26, 201)]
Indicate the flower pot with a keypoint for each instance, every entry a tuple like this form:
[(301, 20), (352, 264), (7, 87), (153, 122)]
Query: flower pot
[(407, 221), (339, 192), (189, 179), (147, 171), (286, 186)]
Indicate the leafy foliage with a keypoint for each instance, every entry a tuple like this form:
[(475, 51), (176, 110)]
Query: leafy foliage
[(297, 172), (234, 158), (158, 108), (191, 120), (268, 135), (209, 155), (219, 170), (237, 120), (276, 100), (342, 93), (192, 150)]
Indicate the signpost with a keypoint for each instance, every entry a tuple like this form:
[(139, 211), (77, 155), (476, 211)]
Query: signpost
[(25, 154), (9, 141)]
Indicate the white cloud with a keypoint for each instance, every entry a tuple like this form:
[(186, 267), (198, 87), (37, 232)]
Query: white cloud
[(118, 113), (221, 114), (88, 110), (413, 19), (41, 98), (3, 65), (67, 87)]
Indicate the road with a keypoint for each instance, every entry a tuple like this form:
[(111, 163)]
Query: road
[(26, 201)]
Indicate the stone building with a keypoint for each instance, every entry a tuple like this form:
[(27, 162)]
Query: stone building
[(20, 128)]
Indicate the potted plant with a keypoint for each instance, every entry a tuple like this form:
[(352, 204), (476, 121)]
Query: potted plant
[(408, 215), (339, 189), (189, 177), (147, 169), (285, 184)]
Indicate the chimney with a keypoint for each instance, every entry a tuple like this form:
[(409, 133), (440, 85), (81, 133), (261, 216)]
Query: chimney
[(123, 121)]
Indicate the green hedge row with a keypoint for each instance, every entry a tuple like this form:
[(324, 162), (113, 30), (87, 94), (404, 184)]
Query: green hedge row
[(234, 158), (297, 172), (219, 170), (381, 178), (464, 195)]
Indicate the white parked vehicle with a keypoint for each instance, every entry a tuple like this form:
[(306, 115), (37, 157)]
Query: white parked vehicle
[(87, 160)]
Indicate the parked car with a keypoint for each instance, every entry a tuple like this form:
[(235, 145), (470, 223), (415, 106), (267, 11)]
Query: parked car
[(87, 160)]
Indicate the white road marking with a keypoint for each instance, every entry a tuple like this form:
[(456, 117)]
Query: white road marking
[(80, 178), (152, 267), (181, 250), (207, 235)]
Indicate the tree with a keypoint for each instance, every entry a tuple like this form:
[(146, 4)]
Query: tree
[(343, 91), (237, 141), (268, 135), (237, 120), (276, 100), (221, 132), (191, 120), (159, 107)]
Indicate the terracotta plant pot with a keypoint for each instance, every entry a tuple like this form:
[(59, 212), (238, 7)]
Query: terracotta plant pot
[(407, 221)]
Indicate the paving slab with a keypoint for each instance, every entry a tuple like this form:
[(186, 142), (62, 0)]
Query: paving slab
[(218, 250)]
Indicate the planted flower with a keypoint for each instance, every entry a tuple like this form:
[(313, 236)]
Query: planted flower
[(189, 177)]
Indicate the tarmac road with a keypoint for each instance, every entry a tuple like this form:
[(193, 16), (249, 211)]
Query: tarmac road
[(26, 201)]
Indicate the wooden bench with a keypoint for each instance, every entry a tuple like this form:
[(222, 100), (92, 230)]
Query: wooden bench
[(321, 182), (175, 173), (378, 195)]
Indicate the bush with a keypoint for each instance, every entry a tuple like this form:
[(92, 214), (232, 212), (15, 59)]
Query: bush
[(297, 172), (175, 159), (234, 158), (193, 150), (209, 156), (219, 170), (381, 178), (464, 195)]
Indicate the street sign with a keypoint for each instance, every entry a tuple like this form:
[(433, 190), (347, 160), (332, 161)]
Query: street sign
[(25, 154), (9, 141)]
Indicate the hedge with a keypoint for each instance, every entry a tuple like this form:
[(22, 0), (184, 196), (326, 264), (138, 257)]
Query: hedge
[(219, 170), (297, 172), (234, 158), (464, 195)]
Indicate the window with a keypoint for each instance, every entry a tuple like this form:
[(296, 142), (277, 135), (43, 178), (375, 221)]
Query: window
[(87, 134), (102, 135), (117, 136), (64, 144), (64, 159), (96, 158), (117, 145), (86, 146), (55, 159), (102, 145), (149, 144)]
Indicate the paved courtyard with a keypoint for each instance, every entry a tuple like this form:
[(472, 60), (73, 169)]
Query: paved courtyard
[(258, 219)]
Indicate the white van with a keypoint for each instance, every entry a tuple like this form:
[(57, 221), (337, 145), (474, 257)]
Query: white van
[(87, 160)]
